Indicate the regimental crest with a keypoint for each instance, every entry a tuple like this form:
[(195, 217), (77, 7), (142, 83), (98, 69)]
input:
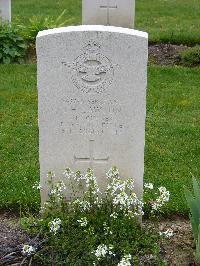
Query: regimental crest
[(92, 72)]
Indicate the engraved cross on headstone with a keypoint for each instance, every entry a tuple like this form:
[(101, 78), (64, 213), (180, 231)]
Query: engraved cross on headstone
[(108, 7), (118, 13), (91, 158)]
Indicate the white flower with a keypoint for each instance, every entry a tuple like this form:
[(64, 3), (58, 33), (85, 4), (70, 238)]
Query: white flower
[(55, 226), (91, 181), (37, 186), (28, 250), (60, 187), (113, 215), (58, 190), (148, 185), (68, 173), (161, 200), (128, 202), (83, 221), (156, 205), (130, 183), (164, 194), (84, 205), (125, 261), (53, 192), (115, 186), (162, 189), (102, 250), (113, 173), (121, 199), (168, 233)]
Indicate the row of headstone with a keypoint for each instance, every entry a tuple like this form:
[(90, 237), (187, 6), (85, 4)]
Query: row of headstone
[(5, 10), (92, 100), (100, 12)]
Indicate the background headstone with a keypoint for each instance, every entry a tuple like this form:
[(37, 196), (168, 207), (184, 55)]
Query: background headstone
[(92, 100), (108, 12), (5, 10)]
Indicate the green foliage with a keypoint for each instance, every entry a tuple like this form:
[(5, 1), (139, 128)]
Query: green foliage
[(36, 24), (193, 200), (12, 45), (191, 56), (90, 229)]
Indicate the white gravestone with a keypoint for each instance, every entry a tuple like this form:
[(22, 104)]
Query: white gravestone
[(5, 10), (108, 12), (92, 100)]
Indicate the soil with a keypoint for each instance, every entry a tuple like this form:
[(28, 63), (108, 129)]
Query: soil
[(180, 248), (177, 250), (165, 54), (11, 239)]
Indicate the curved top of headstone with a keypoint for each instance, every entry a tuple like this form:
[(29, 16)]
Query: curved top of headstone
[(99, 28)]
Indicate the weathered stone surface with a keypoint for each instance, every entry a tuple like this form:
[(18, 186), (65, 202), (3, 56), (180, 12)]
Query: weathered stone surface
[(92, 100), (5, 10), (119, 13)]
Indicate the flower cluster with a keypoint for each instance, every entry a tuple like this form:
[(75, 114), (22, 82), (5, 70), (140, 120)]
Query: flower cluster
[(83, 205), (102, 251), (89, 179), (113, 215), (113, 172), (161, 200), (121, 192), (37, 186), (55, 226), (58, 190), (28, 250), (88, 183), (164, 194), (108, 220), (148, 185), (83, 222), (86, 194), (125, 261)]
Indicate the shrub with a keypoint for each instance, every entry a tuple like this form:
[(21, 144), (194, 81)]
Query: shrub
[(191, 56), (90, 229), (194, 205), (12, 45), (37, 24)]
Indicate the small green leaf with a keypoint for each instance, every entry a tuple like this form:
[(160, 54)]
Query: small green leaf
[(6, 60)]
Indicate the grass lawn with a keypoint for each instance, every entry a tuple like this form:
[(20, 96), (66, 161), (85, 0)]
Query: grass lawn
[(172, 134), (175, 21)]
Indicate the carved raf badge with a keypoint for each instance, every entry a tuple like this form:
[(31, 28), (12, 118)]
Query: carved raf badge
[(92, 72)]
